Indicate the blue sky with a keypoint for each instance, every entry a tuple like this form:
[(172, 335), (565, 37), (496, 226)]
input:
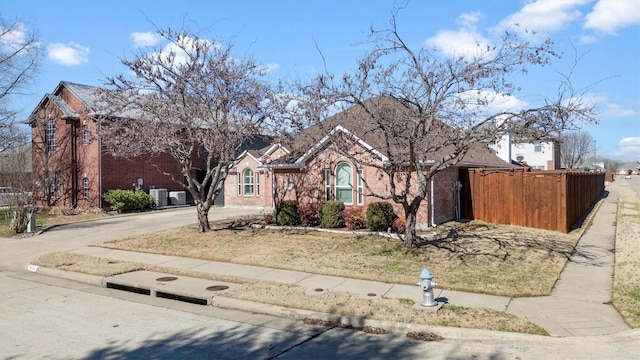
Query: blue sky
[(84, 41)]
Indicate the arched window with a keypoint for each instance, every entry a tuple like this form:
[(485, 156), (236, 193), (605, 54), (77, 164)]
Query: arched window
[(247, 180), (344, 183)]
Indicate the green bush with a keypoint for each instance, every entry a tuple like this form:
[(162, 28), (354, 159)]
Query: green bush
[(287, 213), (331, 214), (128, 200), (380, 216)]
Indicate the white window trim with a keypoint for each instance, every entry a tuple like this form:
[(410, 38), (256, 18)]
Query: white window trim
[(248, 183), (327, 184), (85, 187), (359, 192), (50, 135), (336, 187), (257, 179)]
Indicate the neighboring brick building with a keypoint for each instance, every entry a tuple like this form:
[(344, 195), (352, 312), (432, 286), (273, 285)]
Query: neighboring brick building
[(70, 167), (312, 169)]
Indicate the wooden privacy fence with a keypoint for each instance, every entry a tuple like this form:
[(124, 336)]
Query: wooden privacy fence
[(552, 200)]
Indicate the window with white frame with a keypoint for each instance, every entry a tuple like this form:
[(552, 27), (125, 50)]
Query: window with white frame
[(86, 135), (360, 188), (85, 187), (50, 135), (537, 146), (344, 183), (247, 182), (54, 186), (327, 184), (257, 183)]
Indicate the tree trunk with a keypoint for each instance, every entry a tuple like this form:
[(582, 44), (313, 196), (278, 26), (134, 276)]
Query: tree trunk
[(410, 238), (203, 217)]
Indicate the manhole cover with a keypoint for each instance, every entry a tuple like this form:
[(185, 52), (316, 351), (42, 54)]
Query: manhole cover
[(217, 287), (319, 290), (371, 294), (166, 278)]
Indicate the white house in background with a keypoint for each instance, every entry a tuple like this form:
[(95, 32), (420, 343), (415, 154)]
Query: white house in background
[(632, 166), (542, 154)]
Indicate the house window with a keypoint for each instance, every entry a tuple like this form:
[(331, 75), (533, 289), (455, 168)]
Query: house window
[(85, 188), (247, 179), (86, 135), (54, 186), (360, 183), (50, 135), (537, 146), (327, 184), (344, 185), (257, 183)]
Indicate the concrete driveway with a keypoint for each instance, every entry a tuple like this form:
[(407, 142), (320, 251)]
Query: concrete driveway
[(16, 253)]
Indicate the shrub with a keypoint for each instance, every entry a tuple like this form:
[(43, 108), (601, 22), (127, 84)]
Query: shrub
[(287, 213), (399, 225), (269, 219), (354, 218), (308, 214), (380, 216), (331, 214), (128, 200)]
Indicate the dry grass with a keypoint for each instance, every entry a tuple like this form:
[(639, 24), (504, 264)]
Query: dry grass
[(473, 256), (626, 289), (293, 296)]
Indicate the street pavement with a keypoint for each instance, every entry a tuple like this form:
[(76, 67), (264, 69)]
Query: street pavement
[(578, 313)]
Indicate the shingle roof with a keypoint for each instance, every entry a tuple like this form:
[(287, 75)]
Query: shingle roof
[(86, 93), (356, 121)]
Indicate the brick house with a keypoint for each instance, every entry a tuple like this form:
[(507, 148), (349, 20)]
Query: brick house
[(312, 169), (70, 167)]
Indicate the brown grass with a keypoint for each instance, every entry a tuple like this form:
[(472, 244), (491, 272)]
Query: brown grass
[(626, 288), (293, 296), (476, 257)]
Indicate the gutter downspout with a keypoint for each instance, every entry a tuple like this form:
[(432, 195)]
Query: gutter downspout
[(432, 205), (74, 164), (99, 125)]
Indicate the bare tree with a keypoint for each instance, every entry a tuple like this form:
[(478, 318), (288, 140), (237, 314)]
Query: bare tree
[(192, 100), (575, 148), (19, 59), (17, 186), (428, 112)]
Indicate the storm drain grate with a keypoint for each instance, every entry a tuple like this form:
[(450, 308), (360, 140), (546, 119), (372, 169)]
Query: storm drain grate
[(133, 289), (187, 299)]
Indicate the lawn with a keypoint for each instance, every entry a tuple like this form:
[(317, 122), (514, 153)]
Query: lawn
[(472, 256), (626, 282)]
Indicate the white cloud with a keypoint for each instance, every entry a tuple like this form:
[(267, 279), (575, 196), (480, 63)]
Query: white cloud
[(608, 16), (265, 69), (628, 149), (142, 39), (15, 37), (70, 54), (542, 16), (466, 41), (616, 110)]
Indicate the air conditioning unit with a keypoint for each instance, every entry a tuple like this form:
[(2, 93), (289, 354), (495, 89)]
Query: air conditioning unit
[(177, 197), (159, 196)]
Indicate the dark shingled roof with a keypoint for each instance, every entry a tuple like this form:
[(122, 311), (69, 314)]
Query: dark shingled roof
[(356, 121)]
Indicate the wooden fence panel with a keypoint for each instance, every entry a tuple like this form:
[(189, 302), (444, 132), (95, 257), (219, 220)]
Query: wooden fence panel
[(552, 200)]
